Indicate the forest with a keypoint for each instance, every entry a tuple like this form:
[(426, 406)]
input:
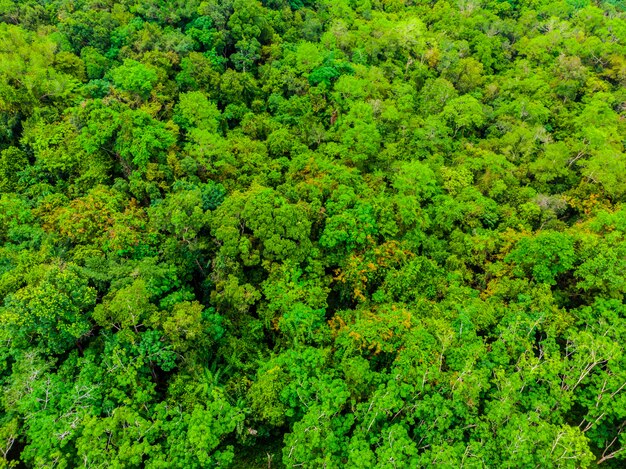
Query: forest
[(312, 234)]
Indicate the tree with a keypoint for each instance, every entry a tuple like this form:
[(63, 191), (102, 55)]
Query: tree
[(51, 311), (544, 256), (134, 77)]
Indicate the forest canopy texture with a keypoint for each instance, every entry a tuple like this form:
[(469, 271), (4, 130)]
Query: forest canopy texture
[(312, 233)]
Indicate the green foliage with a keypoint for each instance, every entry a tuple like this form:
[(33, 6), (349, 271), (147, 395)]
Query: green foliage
[(134, 77), (12, 161), (51, 311), (294, 233), (544, 256), (195, 111)]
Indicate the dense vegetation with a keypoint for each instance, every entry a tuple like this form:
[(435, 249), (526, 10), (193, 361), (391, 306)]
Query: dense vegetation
[(312, 233)]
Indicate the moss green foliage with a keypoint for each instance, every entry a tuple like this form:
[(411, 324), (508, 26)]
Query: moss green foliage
[(312, 233)]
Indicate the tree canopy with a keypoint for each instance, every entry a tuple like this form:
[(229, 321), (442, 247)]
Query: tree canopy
[(312, 233)]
